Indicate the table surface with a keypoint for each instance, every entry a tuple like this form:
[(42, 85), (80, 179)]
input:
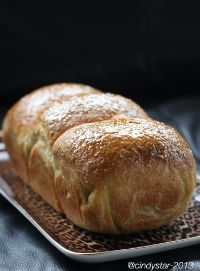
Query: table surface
[(23, 248)]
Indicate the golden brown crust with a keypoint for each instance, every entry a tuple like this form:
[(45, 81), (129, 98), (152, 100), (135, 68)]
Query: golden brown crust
[(40, 117), (62, 116), (127, 176), (99, 158)]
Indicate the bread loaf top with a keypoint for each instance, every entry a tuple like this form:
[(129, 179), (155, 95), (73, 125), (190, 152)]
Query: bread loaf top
[(120, 145)]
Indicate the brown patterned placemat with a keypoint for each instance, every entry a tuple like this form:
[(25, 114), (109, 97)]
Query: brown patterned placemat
[(78, 240)]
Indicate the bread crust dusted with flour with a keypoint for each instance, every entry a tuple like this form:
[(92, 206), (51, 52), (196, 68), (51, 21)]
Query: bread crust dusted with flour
[(99, 158)]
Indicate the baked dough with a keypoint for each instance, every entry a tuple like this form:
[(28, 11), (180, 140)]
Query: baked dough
[(99, 158), (120, 176)]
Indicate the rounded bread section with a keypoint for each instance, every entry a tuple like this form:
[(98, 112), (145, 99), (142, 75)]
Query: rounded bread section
[(122, 176)]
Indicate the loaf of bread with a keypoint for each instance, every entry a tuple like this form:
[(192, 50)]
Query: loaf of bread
[(99, 158)]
